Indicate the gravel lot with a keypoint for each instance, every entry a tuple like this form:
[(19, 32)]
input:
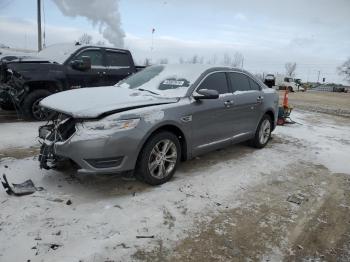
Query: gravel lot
[(234, 204), (323, 102)]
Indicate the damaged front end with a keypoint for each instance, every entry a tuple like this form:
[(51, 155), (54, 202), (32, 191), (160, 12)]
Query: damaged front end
[(12, 87), (54, 132)]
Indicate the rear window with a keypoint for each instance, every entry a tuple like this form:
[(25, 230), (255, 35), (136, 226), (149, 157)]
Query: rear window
[(253, 85), (239, 82), (117, 59)]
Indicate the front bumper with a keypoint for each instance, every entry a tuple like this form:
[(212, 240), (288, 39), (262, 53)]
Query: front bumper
[(98, 154)]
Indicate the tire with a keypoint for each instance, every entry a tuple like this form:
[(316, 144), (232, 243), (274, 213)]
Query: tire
[(6, 103), (152, 167), (7, 106), (290, 89), (30, 106), (263, 132)]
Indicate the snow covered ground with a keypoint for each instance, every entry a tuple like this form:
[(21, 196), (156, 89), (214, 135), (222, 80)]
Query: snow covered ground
[(109, 214), (18, 134)]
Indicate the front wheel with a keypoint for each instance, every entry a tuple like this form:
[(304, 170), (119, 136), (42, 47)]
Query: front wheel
[(159, 159), (263, 132)]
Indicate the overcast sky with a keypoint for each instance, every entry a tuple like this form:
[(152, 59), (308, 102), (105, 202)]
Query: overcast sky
[(315, 33)]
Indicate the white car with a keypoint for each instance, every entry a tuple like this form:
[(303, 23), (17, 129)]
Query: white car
[(289, 83)]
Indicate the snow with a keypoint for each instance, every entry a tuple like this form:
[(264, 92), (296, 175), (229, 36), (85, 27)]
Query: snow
[(328, 141), (108, 212), (163, 75), (96, 101), (59, 52), (18, 135)]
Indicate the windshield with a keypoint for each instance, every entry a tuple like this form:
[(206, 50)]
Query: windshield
[(164, 80)]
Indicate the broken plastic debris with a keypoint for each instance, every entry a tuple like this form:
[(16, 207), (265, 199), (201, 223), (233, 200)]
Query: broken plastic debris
[(25, 188), (297, 198)]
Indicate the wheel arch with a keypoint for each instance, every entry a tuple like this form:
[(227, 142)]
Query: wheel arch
[(52, 86), (172, 128), (271, 114)]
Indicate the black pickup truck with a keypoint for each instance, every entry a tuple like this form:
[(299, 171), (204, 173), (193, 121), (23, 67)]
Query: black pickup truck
[(25, 81)]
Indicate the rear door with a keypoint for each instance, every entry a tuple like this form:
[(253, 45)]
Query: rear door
[(212, 118), (87, 78), (247, 102), (119, 65)]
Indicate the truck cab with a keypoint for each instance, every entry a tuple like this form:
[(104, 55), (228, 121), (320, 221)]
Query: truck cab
[(25, 82)]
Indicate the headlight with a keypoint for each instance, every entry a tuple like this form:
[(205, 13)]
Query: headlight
[(107, 124)]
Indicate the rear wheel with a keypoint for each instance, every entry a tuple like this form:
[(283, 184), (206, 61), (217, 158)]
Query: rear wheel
[(31, 108), (159, 158), (263, 132), (290, 89)]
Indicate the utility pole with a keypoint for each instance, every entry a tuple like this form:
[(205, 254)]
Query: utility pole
[(318, 77), (39, 26)]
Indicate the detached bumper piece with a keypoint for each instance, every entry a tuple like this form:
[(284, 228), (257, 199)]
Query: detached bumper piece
[(25, 188)]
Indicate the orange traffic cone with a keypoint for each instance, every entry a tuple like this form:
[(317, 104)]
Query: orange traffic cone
[(285, 99)]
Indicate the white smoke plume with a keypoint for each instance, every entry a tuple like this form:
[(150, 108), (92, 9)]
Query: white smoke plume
[(104, 14)]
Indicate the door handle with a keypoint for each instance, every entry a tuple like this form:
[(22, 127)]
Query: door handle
[(228, 103), (260, 99)]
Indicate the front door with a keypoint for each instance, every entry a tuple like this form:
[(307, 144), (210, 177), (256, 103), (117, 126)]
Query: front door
[(88, 78), (212, 118)]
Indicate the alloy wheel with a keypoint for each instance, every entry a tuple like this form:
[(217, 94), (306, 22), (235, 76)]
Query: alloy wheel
[(264, 132), (162, 159)]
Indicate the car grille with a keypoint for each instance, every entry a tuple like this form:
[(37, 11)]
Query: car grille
[(60, 132)]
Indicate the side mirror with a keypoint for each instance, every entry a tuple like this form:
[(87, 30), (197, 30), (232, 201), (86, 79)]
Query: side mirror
[(82, 64), (206, 94)]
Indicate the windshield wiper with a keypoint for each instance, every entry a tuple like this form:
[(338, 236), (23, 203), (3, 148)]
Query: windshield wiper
[(154, 93)]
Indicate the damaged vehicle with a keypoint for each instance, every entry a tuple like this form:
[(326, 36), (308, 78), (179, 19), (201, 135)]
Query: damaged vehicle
[(152, 120), (25, 81)]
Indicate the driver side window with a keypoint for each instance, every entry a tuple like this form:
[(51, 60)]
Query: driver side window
[(95, 56), (215, 81)]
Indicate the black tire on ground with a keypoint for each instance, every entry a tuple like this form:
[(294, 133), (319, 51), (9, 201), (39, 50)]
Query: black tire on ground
[(264, 129), (149, 168), (290, 89), (30, 105)]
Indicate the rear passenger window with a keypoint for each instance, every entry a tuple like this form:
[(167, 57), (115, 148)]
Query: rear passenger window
[(216, 81), (239, 82), (253, 85), (117, 59)]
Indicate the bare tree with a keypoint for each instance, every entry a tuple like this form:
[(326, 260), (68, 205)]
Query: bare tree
[(163, 61), (147, 62), (237, 60), (227, 60), (344, 69), (194, 60), (290, 68), (100, 43), (85, 39)]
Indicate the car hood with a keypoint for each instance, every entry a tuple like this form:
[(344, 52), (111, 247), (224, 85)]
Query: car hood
[(99, 101)]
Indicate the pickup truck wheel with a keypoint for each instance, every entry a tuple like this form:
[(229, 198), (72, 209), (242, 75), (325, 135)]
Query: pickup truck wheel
[(159, 159), (31, 108), (263, 132)]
